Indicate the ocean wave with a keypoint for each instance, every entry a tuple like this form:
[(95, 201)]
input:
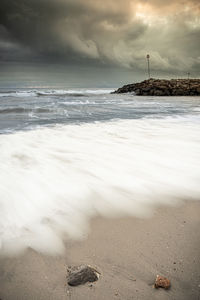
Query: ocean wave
[(17, 110), (18, 94), (87, 102), (40, 93), (54, 180), (61, 94)]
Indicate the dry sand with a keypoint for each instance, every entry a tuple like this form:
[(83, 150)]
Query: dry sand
[(129, 252)]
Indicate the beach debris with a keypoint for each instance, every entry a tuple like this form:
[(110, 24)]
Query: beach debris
[(162, 282), (81, 275)]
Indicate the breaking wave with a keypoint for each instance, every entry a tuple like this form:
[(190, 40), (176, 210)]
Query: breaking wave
[(53, 180), (73, 93)]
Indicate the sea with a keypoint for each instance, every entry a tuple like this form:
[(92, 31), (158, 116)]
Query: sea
[(69, 155)]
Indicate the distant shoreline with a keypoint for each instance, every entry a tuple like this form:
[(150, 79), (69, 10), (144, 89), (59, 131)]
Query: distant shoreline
[(163, 87)]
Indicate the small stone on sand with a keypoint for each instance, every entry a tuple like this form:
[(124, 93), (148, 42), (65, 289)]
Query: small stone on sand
[(162, 282)]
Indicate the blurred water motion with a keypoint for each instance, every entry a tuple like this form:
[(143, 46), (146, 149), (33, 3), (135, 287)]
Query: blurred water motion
[(119, 156)]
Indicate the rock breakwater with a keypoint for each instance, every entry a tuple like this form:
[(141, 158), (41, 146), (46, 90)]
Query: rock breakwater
[(163, 87)]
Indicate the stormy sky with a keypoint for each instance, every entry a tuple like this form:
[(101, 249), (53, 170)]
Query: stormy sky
[(102, 34)]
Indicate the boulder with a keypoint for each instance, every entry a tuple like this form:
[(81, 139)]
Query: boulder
[(81, 275), (159, 93)]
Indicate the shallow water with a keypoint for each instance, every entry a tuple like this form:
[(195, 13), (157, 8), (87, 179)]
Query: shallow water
[(68, 155), (29, 109)]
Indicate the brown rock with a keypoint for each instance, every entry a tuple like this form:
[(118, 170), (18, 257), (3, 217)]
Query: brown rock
[(81, 275), (162, 282), (137, 92), (159, 93)]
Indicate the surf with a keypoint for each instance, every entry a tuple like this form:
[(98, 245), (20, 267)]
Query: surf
[(54, 180)]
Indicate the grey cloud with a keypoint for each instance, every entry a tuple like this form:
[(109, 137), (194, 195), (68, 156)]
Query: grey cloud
[(110, 33)]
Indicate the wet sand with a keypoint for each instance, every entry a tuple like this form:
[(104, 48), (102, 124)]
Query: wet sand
[(129, 252)]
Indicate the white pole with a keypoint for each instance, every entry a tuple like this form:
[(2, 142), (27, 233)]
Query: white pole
[(148, 65)]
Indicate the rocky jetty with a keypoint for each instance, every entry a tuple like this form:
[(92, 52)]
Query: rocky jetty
[(162, 87)]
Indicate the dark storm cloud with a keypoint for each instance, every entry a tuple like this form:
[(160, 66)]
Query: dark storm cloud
[(112, 32)]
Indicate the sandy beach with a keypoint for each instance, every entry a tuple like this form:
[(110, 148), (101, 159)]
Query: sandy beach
[(100, 150), (129, 253)]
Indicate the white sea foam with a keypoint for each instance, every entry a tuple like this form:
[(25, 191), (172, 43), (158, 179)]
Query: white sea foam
[(54, 179), (76, 92)]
